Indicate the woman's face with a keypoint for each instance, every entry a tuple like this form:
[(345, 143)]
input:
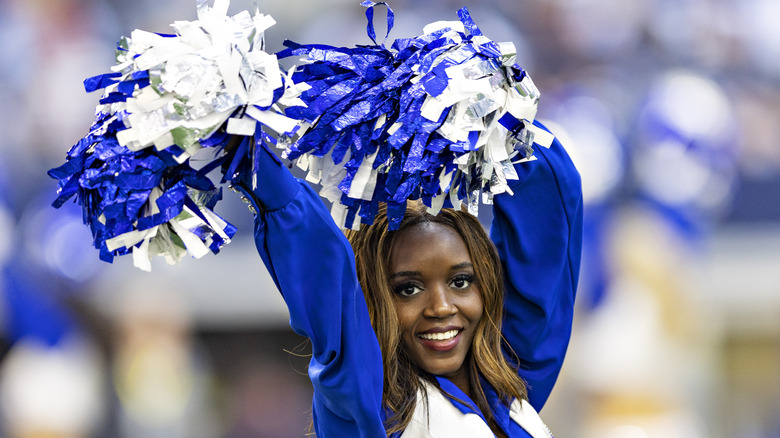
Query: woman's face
[(436, 297)]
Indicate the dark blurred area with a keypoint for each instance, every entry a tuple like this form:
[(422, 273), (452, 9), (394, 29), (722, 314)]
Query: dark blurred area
[(669, 108)]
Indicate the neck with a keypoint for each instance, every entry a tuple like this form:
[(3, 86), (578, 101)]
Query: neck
[(462, 381)]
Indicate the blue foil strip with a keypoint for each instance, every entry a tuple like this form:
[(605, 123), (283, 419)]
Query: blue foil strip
[(510, 122), (395, 214), (468, 22), (170, 203), (370, 16), (100, 81)]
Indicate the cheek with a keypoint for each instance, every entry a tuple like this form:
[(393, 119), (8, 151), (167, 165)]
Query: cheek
[(473, 307), (404, 314)]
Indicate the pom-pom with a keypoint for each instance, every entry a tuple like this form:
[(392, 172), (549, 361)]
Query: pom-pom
[(171, 105), (438, 117)]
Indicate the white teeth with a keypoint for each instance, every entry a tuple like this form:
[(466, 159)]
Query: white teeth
[(439, 336)]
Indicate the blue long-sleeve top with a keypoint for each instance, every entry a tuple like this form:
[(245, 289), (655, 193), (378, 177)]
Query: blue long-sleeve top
[(538, 235)]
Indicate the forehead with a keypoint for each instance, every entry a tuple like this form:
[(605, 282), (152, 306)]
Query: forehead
[(428, 242)]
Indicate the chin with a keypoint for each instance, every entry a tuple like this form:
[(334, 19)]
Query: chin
[(443, 369)]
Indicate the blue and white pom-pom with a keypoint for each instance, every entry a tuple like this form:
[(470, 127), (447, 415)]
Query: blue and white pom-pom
[(439, 117), (171, 105)]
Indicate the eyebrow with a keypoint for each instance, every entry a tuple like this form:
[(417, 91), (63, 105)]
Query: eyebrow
[(416, 273)]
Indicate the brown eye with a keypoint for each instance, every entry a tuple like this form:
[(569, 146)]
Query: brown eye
[(407, 289), (462, 282)]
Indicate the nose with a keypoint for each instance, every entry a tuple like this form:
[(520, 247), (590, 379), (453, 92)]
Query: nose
[(440, 303)]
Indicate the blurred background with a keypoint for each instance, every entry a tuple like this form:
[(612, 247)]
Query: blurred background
[(670, 109)]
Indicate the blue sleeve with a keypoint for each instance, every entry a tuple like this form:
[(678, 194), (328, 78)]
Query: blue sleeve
[(538, 233), (314, 268)]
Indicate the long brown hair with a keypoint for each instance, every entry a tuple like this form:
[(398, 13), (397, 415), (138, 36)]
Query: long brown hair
[(402, 378)]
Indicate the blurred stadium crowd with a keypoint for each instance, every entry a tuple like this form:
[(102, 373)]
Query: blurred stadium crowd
[(670, 109)]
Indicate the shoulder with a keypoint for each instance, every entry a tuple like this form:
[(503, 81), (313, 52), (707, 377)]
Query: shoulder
[(522, 413)]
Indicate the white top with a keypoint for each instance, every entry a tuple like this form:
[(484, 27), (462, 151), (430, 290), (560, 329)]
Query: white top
[(439, 418)]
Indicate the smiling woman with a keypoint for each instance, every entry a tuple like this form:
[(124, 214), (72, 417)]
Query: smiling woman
[(421, 324), (443, 278), (434, 328)]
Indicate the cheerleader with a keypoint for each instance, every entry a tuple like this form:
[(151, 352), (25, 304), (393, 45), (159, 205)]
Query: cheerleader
[(436, 328)]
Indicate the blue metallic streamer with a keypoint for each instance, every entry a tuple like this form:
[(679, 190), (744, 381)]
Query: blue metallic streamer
[(370, 16), (101, 81), (351, 88)]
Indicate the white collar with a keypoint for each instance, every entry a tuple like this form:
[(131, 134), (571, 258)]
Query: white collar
[(439, 418)]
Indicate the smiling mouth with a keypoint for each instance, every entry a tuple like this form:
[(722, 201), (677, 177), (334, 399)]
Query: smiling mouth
[(445, 336)]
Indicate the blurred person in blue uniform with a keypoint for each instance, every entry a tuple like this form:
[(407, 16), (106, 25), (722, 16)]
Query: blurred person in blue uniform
[(159, 372), (680, 178), (7, 225), (51, 376), (51, 379), (580, 118)]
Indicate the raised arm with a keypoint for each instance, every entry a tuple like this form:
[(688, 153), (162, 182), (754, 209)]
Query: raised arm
[(538, 233), (314, 268)]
